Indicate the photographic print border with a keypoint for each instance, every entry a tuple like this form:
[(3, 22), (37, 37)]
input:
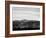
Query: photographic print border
[(7, 18), (39, 18)]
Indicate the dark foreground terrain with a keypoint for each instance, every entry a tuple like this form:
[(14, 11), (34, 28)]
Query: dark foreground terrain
[(26, 25)]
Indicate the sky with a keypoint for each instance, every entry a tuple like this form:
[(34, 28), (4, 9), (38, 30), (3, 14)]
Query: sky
[(20, 13)]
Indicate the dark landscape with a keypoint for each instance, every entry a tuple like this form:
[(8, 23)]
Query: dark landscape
[(26, 25)]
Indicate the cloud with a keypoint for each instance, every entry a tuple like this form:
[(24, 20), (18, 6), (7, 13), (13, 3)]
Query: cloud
[(26, 13)]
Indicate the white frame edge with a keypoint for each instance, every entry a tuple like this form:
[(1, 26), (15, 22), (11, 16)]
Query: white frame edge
[(27, 31)]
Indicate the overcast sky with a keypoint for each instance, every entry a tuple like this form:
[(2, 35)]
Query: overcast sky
[(28, 13)]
